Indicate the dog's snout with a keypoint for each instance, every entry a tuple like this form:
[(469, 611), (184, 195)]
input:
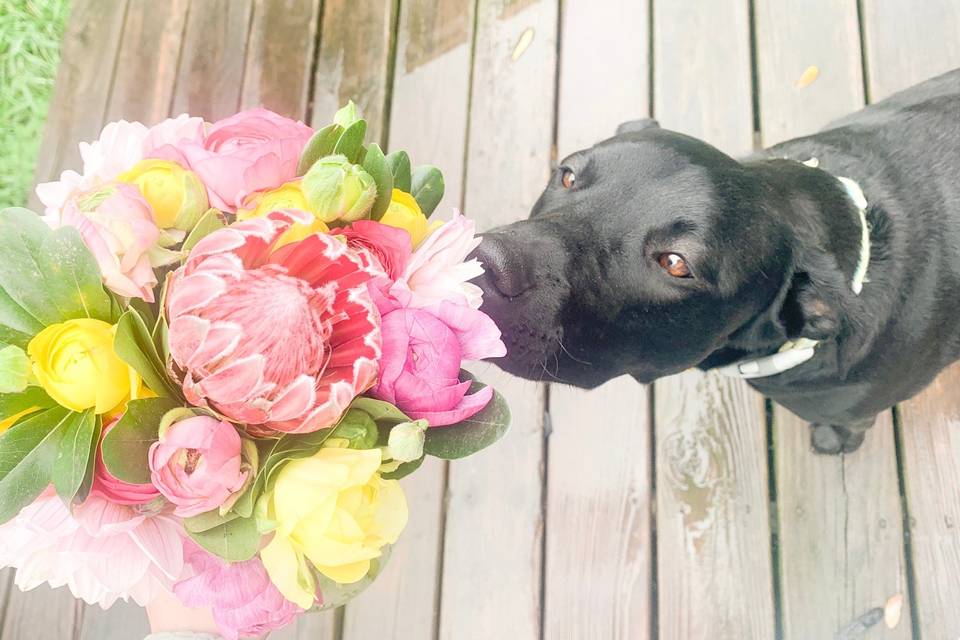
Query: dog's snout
[(507, 268)]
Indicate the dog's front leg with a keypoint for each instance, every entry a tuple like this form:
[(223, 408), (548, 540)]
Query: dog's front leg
[(831, 439)]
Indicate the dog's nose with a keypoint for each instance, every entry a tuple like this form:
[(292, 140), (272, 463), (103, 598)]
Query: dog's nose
[(506, 269)]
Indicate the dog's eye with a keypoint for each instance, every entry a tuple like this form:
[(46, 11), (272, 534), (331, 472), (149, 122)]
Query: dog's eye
[(675, 265), (567, 178)]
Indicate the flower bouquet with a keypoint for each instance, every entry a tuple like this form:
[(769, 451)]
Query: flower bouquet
[(219, 350)]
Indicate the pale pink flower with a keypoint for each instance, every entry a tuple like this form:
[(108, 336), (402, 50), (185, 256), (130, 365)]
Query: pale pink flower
[(102, 551), (281, 339), (253, 150), (106, 485), (438, 269), (243, 600), (116, 224), (196, 464), (423, 350)]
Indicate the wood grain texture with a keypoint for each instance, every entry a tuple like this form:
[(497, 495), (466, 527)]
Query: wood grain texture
[(122, 621), (598, 554), (791, 38), (149, 51), (210, 72), (82, 87), (908, 42), (841, 539), (353, 62), (280, 56), (41, 614), (701, 71), (493, 544), (713, 532), (841, 552), (598, 547)]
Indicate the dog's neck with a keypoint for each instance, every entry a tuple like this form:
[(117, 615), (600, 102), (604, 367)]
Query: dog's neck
[(827, 215)]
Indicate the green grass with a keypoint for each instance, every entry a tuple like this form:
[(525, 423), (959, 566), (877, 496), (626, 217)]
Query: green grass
[(30, 33)]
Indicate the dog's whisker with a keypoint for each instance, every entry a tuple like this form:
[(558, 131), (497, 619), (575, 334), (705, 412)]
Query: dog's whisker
[(572, 357)]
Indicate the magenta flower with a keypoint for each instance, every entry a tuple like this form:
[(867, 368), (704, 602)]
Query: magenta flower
[(250, 151), (281, 339), (244, 601), (422, 353), (106, 485), (196, 464)]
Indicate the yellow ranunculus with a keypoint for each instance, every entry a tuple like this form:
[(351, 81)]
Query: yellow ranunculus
[(286, 196), (172, 191), (334, 511), (404, 213), (9, 422), (76, 365)]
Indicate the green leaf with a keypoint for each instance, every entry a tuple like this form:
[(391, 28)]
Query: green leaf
[(28, 451), (399, 163), (350, 143), (321, 144), (125, 446), (207, 521), (21, 275), (336, 594), (16, 325), (404, 469), (209, 222), (72, 277), (32, 397), (375, 164), (427, 187), (347, 114), (473, 434), (234, 541), (358, 428), (15, 371), (379, 410), (73, 469), (135, 346)]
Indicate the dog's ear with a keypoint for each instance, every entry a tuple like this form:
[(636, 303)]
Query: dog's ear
[(807, 313), (637, 125)]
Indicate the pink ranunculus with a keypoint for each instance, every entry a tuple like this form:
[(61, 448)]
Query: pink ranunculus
[(438, 269), (243, 600), (108, 486), (197, 464), (171, 134), (390, 246), (280, 339), (250, 151), (102, 551), (116, 224), (422, 353)]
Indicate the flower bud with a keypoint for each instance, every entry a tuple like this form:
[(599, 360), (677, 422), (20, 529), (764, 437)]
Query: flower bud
[(405, 442), (338, 190)]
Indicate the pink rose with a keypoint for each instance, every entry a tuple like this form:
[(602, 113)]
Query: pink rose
[(244, 601), (422, 354), (106, 485), (197, 464), (250, 151), (116, 224)]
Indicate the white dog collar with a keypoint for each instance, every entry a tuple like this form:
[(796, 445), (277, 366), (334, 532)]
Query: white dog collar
[(796, 352)]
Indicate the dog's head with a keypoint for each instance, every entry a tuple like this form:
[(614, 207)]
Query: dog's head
[(647, 254)]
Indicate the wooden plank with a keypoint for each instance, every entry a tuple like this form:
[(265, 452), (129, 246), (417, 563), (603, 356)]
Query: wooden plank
[(713, 532), (841, 533), (598, 548), (823, 34), (431, 126), (353, 63), (122, 621), (930, 422), (80, 94), (149, 51), (210, 72), (41, 614), (907, 42), (841, 549), (280, 55), (493, 543)]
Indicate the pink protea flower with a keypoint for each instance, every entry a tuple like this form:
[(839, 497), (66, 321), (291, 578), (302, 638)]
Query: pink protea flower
[(243, 600), (281, 339)]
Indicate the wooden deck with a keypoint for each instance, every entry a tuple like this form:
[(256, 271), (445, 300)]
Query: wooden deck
[(686, 510)]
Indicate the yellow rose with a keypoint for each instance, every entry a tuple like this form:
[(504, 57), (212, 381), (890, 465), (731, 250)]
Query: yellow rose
[(176, 195), (404, 213), (286, 196), (76, 365), (9, 422), (334, 511)]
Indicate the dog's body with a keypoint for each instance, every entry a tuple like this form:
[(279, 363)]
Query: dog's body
[(653, 252)]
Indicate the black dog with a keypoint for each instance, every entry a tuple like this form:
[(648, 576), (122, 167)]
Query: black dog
[(653, 252)]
